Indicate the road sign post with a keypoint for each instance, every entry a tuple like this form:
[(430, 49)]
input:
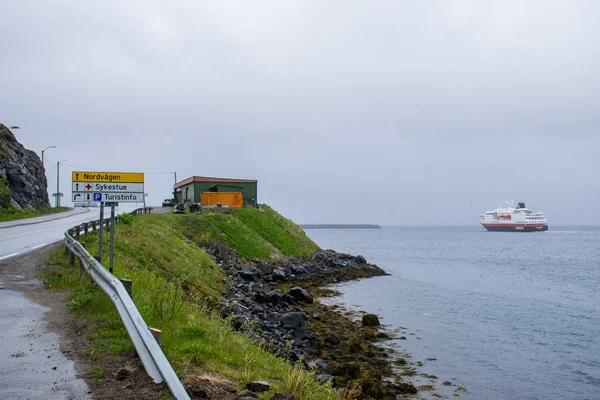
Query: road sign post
[(101, 245), (112, 235)]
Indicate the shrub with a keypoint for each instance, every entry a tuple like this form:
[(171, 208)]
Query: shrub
[(126, 218)]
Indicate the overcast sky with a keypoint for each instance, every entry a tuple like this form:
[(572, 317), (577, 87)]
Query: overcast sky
[(389, 112)]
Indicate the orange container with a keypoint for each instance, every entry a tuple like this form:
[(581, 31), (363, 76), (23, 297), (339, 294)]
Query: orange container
[(232, 199)]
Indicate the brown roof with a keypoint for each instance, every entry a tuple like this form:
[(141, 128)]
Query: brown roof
[(209, 179)]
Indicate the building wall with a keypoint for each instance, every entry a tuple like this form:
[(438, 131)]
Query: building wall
[(232, 187), (188, 190), (193, 194)]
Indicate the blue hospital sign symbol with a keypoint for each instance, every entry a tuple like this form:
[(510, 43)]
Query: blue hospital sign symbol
[(97, 196)]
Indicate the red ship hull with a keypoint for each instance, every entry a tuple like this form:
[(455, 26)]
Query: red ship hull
[(515, 227)]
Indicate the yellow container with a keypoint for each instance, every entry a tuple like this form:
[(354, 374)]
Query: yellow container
[(232, 199)]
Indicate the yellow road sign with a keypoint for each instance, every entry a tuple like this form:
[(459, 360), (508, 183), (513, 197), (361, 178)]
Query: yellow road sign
[(87, 176)]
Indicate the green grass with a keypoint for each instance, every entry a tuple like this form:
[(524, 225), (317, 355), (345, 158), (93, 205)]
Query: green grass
[(11, 214), (282, 233), (253, 233), (174, 283), (228, 230), (97, 372)]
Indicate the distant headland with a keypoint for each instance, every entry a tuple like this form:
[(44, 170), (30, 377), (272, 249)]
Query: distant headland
[(339, 226)]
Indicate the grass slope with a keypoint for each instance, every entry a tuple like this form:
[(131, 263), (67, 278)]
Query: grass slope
[(12, 214), (253, 233), (174, 282), (277, 230)]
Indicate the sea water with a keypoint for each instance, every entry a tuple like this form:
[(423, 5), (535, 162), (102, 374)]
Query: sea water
[(507, 315)]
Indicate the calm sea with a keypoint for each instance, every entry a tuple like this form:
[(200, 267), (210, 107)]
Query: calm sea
[(509, 315)]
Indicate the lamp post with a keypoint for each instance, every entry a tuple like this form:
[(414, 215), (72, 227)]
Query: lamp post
[(49, 147), (175, 190), (58, 182)]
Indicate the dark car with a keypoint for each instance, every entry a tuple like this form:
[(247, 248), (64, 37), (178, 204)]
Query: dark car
[(167, 203)]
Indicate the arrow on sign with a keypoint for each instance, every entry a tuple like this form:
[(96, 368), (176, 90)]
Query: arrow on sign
[(77, 186), (77, 175), (76, 196), (87, 197)]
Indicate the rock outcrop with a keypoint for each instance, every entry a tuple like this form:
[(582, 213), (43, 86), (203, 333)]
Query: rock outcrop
[(278, 316), (269, 301), (23, 182)]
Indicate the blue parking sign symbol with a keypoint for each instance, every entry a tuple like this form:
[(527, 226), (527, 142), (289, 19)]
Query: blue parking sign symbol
[(97, 196)]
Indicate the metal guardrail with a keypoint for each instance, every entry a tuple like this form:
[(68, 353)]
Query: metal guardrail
[(149, 351), (145, 210)]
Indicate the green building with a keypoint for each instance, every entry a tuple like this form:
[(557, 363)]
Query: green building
[(191, 188)]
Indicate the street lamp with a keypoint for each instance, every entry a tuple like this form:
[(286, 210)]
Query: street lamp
[(49, 147), (58, 182), (174, 190)]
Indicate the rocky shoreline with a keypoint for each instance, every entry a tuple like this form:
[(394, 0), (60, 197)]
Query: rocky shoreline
[(273, 302)]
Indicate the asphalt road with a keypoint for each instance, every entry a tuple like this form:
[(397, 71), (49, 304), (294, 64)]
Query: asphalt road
[(33, 367), (22, 236)]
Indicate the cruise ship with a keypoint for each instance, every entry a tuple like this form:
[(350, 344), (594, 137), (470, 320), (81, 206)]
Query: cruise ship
[(514, 219)]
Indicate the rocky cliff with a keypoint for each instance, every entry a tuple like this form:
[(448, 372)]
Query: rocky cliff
[(23, 182)]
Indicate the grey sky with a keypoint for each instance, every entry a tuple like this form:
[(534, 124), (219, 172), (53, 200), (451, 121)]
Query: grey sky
[(377, 112)]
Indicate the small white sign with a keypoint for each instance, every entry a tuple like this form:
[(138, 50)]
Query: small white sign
[(85, 204)]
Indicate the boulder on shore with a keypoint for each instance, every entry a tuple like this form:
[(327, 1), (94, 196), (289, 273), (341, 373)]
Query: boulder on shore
[(370, 320), (301, 295), (258, 386), (292, 319)]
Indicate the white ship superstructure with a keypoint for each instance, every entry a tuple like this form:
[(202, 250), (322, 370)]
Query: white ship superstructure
[(514, 219)]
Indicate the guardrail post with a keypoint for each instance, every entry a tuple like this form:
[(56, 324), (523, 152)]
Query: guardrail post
[(85, 228), (157, 333), (67, 250), (127, 284), (81, 265), (107, 222), (77, 231)]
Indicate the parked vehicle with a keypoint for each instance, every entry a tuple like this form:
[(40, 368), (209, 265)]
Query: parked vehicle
[(179, 209), (167, 203)]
